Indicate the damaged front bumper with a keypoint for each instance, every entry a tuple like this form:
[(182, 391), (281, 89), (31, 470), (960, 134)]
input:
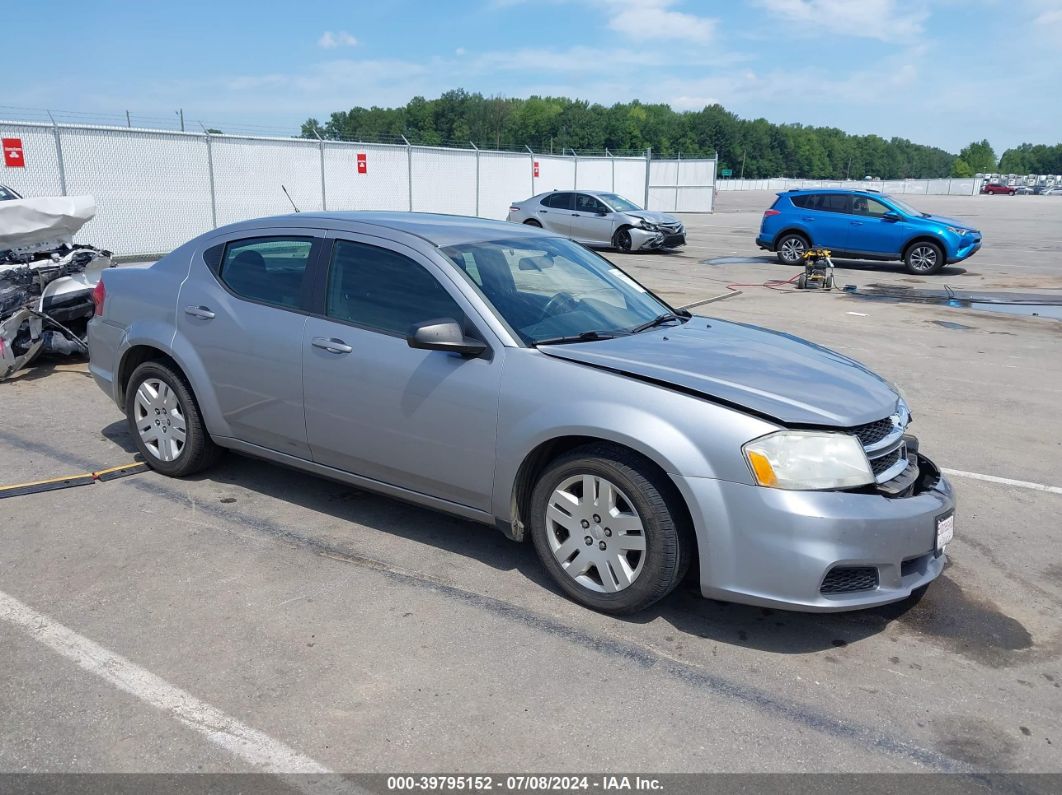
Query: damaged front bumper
[(650, 239)]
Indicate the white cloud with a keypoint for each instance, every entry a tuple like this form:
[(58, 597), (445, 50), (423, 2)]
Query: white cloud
[(655, 20), (330, 40), (886, 20), (1052, 17), (459, 51)]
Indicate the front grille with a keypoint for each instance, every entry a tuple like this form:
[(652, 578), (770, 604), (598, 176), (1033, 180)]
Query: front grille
[(845, 579), (881, 463), (874, 432)]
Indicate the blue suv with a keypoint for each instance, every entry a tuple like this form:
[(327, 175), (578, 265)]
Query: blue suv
[(858, 224)]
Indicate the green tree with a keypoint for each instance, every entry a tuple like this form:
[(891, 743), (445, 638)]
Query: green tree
[(980, 157), (960, 168)]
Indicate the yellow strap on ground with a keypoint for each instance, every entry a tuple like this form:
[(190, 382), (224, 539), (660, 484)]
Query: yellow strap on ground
[(69, 481)]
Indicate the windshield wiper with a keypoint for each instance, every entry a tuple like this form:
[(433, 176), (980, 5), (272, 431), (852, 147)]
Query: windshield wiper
[(659, 320), (586, 336)]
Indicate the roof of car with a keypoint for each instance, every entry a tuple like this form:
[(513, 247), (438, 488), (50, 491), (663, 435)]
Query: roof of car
[(436, 228), (868, 191)]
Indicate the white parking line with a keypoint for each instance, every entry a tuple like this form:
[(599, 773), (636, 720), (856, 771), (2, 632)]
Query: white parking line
[(1022, 484), (251, 745)]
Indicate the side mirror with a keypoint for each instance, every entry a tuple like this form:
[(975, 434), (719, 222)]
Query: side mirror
[(891, 216), (444, 334), (602, 212)]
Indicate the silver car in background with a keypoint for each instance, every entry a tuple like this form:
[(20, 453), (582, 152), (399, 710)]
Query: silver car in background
[(595, 218), (516, 378)]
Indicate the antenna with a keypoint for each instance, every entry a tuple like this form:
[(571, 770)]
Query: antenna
[(289, 197)]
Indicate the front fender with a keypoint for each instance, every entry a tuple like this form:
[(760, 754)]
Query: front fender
[(545, 399)]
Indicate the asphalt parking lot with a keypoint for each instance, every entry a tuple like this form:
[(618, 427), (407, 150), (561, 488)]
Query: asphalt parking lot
[(326, 626)]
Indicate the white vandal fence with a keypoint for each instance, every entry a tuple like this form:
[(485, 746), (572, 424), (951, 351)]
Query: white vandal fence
[(925, 187), (156, 189)]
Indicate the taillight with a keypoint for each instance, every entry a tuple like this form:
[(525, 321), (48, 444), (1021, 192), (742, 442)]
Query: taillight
[(769, 213), (513, 208), (99, 295)]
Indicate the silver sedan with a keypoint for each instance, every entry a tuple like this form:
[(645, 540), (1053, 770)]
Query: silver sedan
[(600, 219), (513, 377)]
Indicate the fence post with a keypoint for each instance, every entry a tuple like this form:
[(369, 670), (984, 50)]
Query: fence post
[(320, 146), (678, 167), (648, 162), (531, 170), (59, 153), (477, 176), (575, 175), (608, 154), (409, 170), (210, 172)]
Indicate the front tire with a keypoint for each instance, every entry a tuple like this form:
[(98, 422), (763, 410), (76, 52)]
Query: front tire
[(924, 258), (621, 241), (166, 423), (791, 248), (639, 546)]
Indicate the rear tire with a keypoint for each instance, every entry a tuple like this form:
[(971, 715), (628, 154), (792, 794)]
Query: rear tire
[(924, 258), (532, 222), (166, 423), (791, 248), (632, 508)]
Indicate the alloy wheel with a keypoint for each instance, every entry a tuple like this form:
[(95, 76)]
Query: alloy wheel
[(595, 533), (923, 258), (793, 249), (160, 419)]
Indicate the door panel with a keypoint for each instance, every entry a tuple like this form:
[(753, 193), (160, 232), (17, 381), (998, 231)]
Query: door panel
[(422, 420), (252, 350), (556, 216), (871, 232), (587, 224), (830, 227)]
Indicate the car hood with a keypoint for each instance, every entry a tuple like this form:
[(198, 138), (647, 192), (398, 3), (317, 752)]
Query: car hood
[(768, 373), (652, 217), (943, 219)]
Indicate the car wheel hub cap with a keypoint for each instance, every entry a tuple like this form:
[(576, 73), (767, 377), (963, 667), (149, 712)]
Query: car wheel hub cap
[(595, 534), (792, 250), (923, 258), (159, 419)]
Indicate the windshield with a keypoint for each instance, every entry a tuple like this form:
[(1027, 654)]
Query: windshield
[(902, 206), (550, 288), (617, 202)]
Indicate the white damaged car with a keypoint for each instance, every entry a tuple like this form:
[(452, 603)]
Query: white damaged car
[(46, 281)]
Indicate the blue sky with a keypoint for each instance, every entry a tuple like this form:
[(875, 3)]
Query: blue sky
[(942, 72)]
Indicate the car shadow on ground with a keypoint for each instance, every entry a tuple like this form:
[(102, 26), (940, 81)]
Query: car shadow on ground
[(769, 630), (863, 266)]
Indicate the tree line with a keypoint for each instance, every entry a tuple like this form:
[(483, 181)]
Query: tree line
[(753, 148)]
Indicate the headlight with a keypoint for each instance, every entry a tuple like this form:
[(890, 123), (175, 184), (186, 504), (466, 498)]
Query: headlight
[(646, 225), (957, 231), (808, 460)]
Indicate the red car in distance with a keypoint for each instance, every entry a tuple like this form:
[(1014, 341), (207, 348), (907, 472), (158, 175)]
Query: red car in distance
[(995, 187)]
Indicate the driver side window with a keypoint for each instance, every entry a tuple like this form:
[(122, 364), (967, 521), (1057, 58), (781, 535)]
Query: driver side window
[(588, 204), (384, 291)]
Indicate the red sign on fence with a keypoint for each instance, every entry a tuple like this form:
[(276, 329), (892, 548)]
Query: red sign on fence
[(363, 166), (13, 157), (534, 169)]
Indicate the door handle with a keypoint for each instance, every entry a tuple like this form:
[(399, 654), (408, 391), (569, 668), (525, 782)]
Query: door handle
[(805, 218), (199, 311), (856, 223), (331, 344), (541, 212)]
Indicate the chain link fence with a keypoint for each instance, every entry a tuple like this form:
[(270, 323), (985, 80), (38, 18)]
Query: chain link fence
[(155, 189), (924, 187)]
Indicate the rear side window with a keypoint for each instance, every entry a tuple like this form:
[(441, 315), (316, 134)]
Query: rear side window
[(831, 202), (384, 291), (269, 270), (805, 201), (560, 201)]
